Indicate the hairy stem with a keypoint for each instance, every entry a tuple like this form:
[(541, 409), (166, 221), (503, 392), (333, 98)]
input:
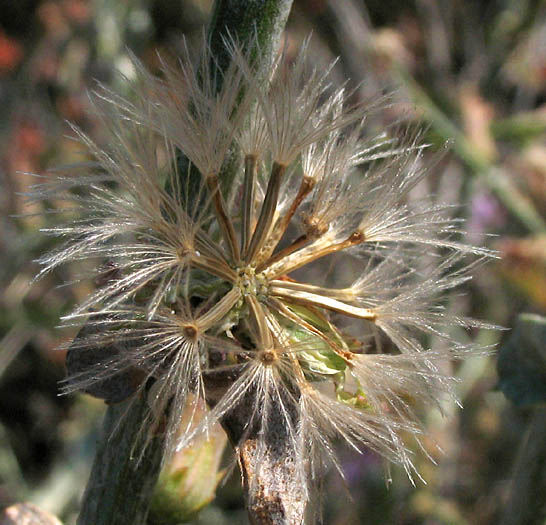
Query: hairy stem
[(259, 23), (256, 25), (124, 474)]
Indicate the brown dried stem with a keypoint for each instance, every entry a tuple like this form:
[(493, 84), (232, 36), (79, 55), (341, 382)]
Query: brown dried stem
[(275, 493)]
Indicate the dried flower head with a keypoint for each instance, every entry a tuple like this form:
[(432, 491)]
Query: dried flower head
[(216, 286)]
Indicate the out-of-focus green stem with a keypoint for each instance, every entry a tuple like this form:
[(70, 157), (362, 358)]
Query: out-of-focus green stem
[(442, 125), (526, 502), (498, 181), (521, 127), (519, 204)]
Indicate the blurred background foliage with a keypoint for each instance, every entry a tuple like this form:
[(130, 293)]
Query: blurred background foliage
[(473, 72)]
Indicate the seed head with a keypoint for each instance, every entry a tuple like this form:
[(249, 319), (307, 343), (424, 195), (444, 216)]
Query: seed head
[(212, 281)]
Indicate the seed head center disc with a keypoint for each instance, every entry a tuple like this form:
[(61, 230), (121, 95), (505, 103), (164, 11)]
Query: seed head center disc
[(252, 283)]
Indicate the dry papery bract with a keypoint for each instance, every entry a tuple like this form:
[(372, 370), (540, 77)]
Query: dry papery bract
[(208, 280)]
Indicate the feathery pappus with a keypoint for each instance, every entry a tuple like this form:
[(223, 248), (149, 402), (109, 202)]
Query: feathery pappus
[(217, 265)]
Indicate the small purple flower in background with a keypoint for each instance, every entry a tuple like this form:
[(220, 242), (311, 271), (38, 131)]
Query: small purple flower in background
[(486, 213), (356, 466)]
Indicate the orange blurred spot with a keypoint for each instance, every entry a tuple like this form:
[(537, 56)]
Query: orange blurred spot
[(77, 10), (53, 19), (11, 53)]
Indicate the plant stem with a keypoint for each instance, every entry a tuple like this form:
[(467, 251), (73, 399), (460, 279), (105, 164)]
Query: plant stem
[(275, 493), (259, 23), (256, 25), (124, 473)]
